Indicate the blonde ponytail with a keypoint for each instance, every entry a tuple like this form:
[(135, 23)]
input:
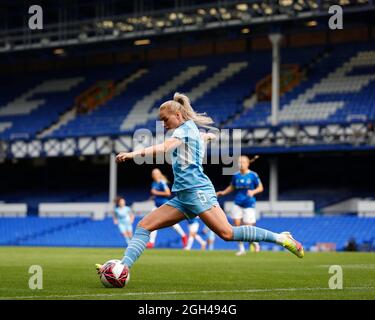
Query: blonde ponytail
[(163, 177), (182, 104)]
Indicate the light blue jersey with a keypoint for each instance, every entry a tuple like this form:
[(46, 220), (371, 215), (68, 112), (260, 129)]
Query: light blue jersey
[(124, 219), (194, 190), (187, 159), (123, 214)]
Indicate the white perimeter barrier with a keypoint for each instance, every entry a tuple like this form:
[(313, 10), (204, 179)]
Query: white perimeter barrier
[(143, 207), (13, 209), (363, 207), (366, 208), (279, 208), (94, 210)]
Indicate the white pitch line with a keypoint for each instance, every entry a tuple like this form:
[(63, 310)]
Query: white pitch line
[(183, 292)]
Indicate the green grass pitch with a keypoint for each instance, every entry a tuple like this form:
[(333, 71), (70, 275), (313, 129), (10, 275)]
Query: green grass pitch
[(68, 273)]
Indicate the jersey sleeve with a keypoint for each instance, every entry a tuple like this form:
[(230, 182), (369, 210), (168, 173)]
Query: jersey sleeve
[(179, 134), (116, 212), (164, 185), (257, 180)]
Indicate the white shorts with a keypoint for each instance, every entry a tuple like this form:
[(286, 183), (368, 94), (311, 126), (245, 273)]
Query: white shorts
[(193, 227), (248, 215)]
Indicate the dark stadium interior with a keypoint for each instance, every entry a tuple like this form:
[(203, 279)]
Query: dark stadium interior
[(337, 177)]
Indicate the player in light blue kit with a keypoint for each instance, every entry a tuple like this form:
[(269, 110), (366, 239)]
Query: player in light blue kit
[(195, 194), (161, 193), (246, 184), (123, 218)]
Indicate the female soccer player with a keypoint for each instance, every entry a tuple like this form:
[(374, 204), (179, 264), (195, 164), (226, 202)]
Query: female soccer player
[(247, 184), (193, 226), (124, 218), (161, 193), (195, 194)]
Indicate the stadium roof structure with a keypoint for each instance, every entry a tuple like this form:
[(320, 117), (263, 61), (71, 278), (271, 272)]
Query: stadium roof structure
[(84, 22)]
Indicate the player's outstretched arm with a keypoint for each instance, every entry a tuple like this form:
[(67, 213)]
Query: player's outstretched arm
[(257, 190), (164, 147), (165, 193), (226, 191), (114, 217)]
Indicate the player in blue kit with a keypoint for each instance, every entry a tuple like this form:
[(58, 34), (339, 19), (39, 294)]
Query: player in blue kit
[(123, 218), (246, 184), (195, 194), (161, 193)]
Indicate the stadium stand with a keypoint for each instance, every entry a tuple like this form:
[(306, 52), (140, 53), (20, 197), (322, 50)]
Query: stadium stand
[(313, 101), (38, 101), (35, 103), (340, 88), (135, 106), (83, 232)]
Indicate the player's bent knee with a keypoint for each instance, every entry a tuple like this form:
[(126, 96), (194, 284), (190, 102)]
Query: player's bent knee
[(226, 234), (142, 224), (146, 224)]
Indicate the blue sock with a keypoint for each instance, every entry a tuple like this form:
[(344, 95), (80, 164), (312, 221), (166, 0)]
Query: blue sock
[(251, 233), (127, 240), (136, 246)]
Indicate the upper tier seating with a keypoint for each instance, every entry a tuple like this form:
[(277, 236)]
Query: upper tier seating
[(339, 89)]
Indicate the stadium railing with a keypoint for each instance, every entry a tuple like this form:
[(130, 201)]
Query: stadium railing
[(280, 208), (363, 207), (94, 210), (13, 209)]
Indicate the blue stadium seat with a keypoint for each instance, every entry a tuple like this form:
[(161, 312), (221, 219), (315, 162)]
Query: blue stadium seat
[(83, 232)]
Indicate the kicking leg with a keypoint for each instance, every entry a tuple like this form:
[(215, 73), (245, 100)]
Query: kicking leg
[(164, 216), (127, 239), (249, 219), (255, 245), (241, 246), (217, 221)]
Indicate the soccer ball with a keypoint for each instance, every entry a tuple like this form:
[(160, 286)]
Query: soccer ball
[(114, 274)]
